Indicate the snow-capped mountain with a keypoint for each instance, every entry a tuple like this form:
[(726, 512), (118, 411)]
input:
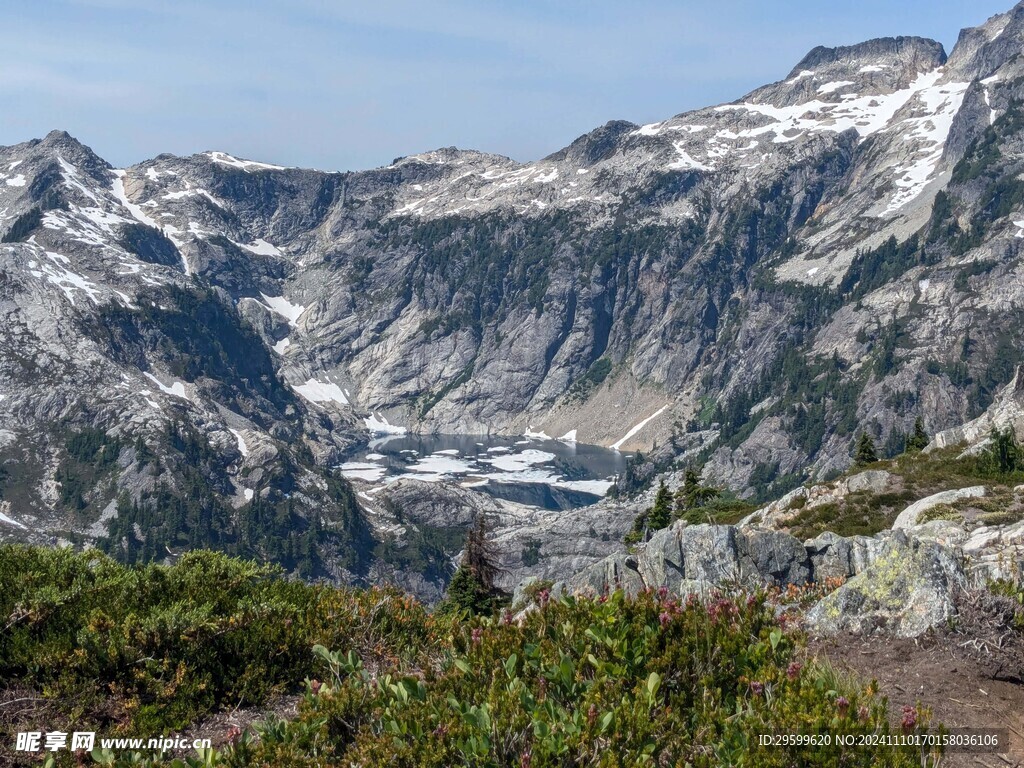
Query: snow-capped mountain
[(838, 250)]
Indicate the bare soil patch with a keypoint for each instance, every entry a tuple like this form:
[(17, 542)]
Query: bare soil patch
[(970, 675)]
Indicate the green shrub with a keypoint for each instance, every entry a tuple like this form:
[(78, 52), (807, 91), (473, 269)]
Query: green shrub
[(155, 647), (940, 512), (591, 380), (531, 553), (604, 682)]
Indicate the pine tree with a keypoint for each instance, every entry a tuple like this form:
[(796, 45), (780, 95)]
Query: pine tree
[(865, 450), (472, 587), (895, 443), (694, 494), (1003, 455), (661, 514), (918, 439)]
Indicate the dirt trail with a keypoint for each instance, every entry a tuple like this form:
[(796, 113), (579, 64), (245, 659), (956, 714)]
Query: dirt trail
[(946, 673)]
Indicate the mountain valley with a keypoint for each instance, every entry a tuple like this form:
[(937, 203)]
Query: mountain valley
[(195, 347)]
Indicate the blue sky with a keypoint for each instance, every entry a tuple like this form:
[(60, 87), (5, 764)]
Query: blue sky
[(352, 84)]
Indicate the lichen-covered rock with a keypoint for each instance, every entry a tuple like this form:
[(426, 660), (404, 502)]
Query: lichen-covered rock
[(945, 532), (906, 591)]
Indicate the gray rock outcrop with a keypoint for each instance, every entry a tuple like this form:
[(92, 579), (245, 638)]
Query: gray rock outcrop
[(900, 582), (683, 557), (908, 517), (908, 589), (1007, 412)]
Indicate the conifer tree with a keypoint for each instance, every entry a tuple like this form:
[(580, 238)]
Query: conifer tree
[(918, 439), (473, 587), (661, 513), (1003, 454), (694, 494), (866, 453)]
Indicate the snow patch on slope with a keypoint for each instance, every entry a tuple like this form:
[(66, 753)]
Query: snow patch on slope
[(117, 186), (177, 388), (685, 162), (68, 281), (381, 426), (619, 443), (72, 179), (10, 521), (835, 86), (929, 132), (283, 307), (321, 392), (243, 448), (245, 165), (261, 248), (867, 114)]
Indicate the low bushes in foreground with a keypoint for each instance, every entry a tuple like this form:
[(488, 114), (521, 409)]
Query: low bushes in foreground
[(603, 681), (147, 649), (609, 681)]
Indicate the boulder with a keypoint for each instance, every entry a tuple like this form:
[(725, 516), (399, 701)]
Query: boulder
[(831, 556), (945, 532), (865, 550), (770, 514), (870, 481), (994, 553), (618, 571), (718, 554), (695, 558), (696, 552), (909, 516), (773, 557), (906, 591), (838, 557)]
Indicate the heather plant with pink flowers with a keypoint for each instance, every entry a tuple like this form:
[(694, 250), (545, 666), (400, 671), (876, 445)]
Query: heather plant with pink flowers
[(610, 681)]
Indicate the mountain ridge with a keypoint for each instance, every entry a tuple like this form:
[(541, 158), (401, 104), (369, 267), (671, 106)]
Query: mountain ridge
[(746, 286)]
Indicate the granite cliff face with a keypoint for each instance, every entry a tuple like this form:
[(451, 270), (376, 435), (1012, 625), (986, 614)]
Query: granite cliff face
[(753, 282)]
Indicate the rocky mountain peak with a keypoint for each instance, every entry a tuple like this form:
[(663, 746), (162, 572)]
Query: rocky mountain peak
[(65, 145), (57, 136), (599, 144), (981, 50), (448, 155), (915, 54), (879, 66)]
